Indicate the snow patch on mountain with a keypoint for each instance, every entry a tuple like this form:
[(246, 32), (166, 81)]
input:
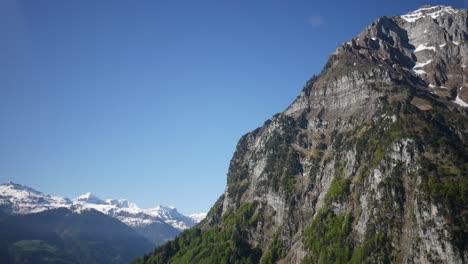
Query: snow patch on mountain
[(420, 72), (422, 47), (425, 11), (421, 64), (460, 102)]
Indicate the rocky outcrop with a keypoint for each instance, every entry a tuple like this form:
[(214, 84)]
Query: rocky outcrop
[(369, 163)]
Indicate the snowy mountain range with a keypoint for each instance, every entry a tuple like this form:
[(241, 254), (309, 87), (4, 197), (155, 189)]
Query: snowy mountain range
[(165, 222)]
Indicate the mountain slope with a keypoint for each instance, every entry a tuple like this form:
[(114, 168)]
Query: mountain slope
[(368, 165), (62, 236)]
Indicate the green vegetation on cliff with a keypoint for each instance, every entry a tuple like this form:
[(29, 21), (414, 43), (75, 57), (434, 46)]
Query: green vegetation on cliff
[(327, 238), (218, 245)]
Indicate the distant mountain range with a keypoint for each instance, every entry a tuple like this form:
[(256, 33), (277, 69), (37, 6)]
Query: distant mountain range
[(40, 228), (157, 224)]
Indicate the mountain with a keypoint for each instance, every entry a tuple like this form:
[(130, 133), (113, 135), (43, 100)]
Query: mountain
[(369, 164), (18, 199), (198, 217), (62, 236), (157, 224)]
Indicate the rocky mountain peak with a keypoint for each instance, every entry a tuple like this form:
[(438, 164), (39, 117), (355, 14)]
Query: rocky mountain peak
[(440, 49), (367, 165), (430, 53)]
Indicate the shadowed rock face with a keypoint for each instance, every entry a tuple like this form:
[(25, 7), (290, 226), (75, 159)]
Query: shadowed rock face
[(369, 163)]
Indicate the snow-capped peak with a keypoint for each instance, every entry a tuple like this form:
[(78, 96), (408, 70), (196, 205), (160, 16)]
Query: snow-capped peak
[(432, 11), (171, 216), (19, 199), (198, 217), (89, 198), (14, 189)]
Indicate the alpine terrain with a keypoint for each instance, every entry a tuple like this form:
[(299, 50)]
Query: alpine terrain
[(369, 164), (36, 227)]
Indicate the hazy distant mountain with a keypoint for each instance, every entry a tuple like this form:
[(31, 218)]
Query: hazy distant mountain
[(157, 224), (198, 217)]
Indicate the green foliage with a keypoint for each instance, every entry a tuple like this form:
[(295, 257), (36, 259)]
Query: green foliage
[(236, 190), (291, 168), (359, 256), (38, 251), (362, 172), (278, 143), (274, 252), (327, 238), (450, 189), (443, 164), (375, 248), (381, 139), (223, 244), (338, 191), (372, 140), (378, 155), (243, 216), (34, 245), (283, 162), (302, 121), (284, 134)]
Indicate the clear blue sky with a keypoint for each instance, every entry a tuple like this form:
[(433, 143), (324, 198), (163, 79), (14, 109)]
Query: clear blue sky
[(146, 100)]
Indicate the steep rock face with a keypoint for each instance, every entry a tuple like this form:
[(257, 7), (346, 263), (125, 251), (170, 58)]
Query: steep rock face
[(368, 164)]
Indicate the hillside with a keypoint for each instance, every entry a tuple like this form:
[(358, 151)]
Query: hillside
[(62, 236)]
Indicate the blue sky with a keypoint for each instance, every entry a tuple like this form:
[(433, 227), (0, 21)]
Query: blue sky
[(146, 100)]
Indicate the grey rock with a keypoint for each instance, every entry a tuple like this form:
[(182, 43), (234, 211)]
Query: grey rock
[(347, 96)]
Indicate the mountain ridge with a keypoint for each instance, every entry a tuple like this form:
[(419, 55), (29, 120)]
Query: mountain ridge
[(368, 164), (62, 236), (19, 199)]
